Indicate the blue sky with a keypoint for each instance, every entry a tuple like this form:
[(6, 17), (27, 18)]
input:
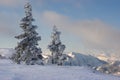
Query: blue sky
[(87, 26)]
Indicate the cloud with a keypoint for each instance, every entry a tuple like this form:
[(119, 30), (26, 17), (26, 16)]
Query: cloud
[(94, 33), (8, 23), (11, 2)]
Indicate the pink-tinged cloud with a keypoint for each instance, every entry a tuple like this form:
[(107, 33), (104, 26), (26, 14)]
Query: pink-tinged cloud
[(11, 2), (8, 23), (94, 33)]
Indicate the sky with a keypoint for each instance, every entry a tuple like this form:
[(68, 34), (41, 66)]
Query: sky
[(87, 26)]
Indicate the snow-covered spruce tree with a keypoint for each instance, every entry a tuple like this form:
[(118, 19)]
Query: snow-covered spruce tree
[(27, 50), (56, 47)]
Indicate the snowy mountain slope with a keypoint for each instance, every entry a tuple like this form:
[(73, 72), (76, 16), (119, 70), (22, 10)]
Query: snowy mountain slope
[(10, 71), (6, 52), (108, 58), (77, 59), (111, 68)]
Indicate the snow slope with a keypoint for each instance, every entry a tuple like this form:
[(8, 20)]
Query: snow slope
[(6, 52), (10, 71), (108, 58), (78, 59), (75, 59)]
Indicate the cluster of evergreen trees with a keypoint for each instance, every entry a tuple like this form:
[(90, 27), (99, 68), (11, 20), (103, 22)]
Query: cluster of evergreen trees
[(27, 50)]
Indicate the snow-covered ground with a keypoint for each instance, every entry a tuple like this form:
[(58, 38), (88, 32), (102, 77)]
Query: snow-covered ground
[(11, 71)]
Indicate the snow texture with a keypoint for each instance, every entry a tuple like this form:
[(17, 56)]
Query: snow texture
[(10, 71)]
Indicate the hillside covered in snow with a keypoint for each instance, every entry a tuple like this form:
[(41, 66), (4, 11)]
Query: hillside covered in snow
[(76, 66), (73, 59), (11, 71), (77, 59), (6, 52)]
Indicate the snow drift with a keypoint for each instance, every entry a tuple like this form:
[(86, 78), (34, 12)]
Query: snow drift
[(10, 71), (73, 59)]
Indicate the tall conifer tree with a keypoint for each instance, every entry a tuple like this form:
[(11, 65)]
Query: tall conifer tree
[(56, 47), (27, 50)]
